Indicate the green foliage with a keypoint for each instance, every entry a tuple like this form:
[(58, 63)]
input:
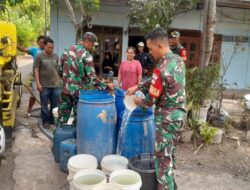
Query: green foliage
[(25, 31), (207, 132), (29, 19), (200, 83), (149, 14), (203, 130), (11, 2), (89, 6), (194, 124)]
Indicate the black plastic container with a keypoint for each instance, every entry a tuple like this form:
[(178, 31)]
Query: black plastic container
[(144, 165)]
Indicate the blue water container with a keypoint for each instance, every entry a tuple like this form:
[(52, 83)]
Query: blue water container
[(96, 120), (67, 150), (119, 96), (120, 107), (61, 134), (138, 136)]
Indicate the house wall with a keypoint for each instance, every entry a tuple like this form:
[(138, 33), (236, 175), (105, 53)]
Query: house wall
[(62, 30), (239, 71), (230, 22)]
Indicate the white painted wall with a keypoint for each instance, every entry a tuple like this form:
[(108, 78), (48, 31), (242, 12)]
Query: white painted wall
[(235, 25), (190, 20), (62, 30), (239, 70), (232, 22)]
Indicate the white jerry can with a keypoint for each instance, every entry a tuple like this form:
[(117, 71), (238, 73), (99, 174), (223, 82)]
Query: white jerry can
[(2, 140)]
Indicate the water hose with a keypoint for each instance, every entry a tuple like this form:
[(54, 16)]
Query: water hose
[(31, 92), (45, 131), (40, 126)]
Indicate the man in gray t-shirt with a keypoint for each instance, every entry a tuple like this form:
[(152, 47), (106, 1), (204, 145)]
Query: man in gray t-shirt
[(46, 71)]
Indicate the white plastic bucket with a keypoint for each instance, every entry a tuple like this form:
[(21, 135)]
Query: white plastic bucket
[(203, 114), (113, 162), (88, 179), (200, 114), (126, 179), (107, 186), (2, 139), (129, 100), (80, 162)]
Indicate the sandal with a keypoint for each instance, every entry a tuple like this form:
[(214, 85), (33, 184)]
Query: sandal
[(27, 115)]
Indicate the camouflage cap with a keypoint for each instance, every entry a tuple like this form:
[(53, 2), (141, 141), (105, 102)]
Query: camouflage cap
[(175, 34), (91, 36)]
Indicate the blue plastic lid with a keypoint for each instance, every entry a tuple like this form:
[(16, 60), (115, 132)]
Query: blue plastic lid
[(95, 96), (140, 114)]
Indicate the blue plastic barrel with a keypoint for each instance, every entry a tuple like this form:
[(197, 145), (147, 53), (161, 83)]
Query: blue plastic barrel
[(120, 107), (139, 134), (96, 120), (119, 96), (67, 150), (61, 134)]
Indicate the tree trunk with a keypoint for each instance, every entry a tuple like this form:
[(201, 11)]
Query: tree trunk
[(81, 28), (208, 31), (78, 34)]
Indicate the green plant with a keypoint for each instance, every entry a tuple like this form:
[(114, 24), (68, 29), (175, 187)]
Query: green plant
[(207, 132), (202, 130), (23, 13), (149, 14), (194, 124), (11, 2), (200, 84)]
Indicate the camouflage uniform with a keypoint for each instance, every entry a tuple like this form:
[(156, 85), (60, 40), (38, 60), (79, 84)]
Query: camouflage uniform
[(181, 51), (78, 73), (167, 90)]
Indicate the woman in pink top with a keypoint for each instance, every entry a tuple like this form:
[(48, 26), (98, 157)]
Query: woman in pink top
[(130, 71)]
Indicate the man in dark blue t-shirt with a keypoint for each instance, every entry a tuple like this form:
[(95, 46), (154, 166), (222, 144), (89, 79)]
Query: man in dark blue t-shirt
[(33, 51), (145, 60)]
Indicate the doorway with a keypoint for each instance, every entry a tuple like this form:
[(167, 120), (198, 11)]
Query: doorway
[(110, 40), (134, 40)]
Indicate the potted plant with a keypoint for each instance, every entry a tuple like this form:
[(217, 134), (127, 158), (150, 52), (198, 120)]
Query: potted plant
[(200, 89)]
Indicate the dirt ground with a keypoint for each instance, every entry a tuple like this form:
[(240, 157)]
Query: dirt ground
[(29, 164)]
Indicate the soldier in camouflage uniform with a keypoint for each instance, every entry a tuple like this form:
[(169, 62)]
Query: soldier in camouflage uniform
[(165, 89), (78, 73), (175, 45)]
